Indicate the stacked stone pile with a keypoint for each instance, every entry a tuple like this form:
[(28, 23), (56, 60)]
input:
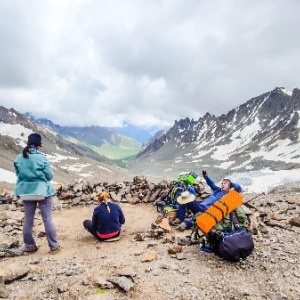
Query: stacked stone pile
[(272, 210), (140, 190), (162, 251), (81, 192)]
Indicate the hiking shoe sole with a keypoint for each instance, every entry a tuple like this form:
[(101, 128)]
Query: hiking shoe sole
[(112, 239), (184, 241), (31, 251), (181, 227), (55, 251)]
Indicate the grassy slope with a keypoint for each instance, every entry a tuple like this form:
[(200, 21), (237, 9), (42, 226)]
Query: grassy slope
[(122, 149)]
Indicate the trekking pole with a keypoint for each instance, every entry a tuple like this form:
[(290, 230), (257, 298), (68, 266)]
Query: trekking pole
[(246, 203), (263, 193)]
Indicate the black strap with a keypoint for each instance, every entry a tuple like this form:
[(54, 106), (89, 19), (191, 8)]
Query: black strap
[(225, 204), (234, 219), (211, 215), (220, 209)]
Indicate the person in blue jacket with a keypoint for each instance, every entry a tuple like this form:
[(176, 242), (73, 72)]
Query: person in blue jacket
[(217, 192), (34, 187), (187, 201), (107, 220)]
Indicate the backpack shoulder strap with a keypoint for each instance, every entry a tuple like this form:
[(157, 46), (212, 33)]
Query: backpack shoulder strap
[(234, 220), (177, 186)]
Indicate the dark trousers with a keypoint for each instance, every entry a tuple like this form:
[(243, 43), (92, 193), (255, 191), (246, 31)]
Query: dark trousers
[(88, 225), (46, 211)]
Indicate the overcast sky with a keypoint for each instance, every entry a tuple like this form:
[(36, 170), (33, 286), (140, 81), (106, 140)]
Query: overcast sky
[(153, 62)]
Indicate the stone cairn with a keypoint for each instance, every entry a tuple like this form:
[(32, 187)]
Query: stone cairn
[(84, 193), (272, 212), (140, 190)]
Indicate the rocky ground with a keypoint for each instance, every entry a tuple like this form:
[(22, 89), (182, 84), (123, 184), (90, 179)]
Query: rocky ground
[(139, 266)]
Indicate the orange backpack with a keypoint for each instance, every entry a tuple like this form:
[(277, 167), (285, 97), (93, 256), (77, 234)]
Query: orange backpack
[(217, 211)]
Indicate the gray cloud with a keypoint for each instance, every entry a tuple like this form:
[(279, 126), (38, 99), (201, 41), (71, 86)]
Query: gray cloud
[(147, 62)]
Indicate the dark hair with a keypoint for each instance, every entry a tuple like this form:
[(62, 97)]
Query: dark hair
[(25, 152), (34, 139)]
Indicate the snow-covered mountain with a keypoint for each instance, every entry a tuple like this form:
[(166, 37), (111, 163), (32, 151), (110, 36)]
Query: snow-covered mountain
[(70, 159), (259, 135), (256, 144)]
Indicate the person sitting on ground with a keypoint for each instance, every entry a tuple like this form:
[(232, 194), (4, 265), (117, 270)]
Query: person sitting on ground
[(187, 201), (107, 220), (185, 182)]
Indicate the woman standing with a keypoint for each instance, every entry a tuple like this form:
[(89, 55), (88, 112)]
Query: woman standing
[(34, 175), (107, 220)]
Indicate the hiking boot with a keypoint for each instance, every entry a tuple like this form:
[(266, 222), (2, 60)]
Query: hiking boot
[(154, 226), (176, 222), (182, 226), (55, 251), (184, 241), (206, 249), (31, 251)]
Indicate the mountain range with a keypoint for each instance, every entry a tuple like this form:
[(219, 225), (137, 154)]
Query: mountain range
[(71, 158), (260, 135), (100, 133)]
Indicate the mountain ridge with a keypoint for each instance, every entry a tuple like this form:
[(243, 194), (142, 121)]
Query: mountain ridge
[(233, 142), (101, 140), (70, 160), (261, 134)]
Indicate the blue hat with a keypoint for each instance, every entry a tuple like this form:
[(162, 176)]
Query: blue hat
[(34, 139)]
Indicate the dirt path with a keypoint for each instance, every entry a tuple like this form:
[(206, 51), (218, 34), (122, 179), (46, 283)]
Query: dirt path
[(75, 239), (271, 272)]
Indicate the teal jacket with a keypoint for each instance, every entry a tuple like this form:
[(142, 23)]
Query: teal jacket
[(34, 174)]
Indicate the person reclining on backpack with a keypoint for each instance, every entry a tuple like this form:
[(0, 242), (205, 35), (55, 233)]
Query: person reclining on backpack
[(188, 203), (217, 192)]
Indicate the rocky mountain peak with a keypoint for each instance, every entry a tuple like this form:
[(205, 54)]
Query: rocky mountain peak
[(261, 133)]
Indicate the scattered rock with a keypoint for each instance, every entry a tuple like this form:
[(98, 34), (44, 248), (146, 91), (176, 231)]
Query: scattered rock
[(175, 249), (193, 274), (13, 272), (103, 283), (62, 288), (149, 256), (139, 237), (165, 225), (85, 282), (127, 273), (122, 282), (295, 222), (4, 293)]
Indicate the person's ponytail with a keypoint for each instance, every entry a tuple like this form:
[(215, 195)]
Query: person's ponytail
[(107, 207), (103, 197), (25, 152)]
